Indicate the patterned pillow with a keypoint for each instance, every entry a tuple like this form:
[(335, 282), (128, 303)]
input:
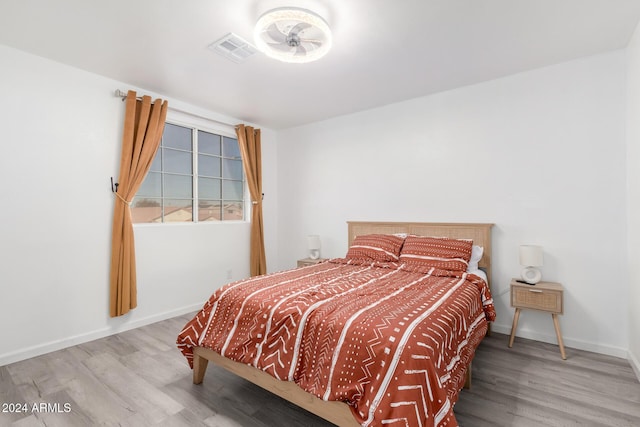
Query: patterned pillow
[(378, 247), (439, 252)]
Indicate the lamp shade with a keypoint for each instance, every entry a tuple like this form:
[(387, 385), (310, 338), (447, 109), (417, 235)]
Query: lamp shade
[(531, 256), (313, 242)]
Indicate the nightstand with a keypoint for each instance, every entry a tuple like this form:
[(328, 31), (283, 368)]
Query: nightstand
[(309, 261), (543, 296)]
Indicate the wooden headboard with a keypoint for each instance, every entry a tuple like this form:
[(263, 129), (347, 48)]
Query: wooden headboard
[(479, 233)]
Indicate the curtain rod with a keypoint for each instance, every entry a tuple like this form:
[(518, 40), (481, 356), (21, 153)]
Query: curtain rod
[(123, 95)]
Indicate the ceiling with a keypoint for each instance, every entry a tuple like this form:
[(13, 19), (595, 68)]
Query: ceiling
[(383, 51)]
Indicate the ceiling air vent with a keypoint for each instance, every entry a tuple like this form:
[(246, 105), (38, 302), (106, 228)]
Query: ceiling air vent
[(233, 47)]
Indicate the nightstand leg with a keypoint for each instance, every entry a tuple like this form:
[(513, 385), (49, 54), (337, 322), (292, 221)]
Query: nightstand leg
[(556, 323), (516, 316)]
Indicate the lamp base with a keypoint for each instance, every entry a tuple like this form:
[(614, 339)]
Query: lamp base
[(531, 275)]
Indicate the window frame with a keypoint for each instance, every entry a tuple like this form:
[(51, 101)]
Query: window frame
[(197, 123)]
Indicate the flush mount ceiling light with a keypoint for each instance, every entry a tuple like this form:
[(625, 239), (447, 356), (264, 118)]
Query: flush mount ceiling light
[(292, 34)]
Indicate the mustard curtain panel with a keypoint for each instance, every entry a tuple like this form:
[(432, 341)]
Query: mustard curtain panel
[(249, 141), (143, 127)]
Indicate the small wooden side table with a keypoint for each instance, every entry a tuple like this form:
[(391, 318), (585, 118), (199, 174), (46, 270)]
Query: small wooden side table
[(309, 261), (543, 296)]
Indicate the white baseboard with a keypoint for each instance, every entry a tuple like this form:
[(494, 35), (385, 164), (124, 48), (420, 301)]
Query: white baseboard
[(622, 353), (48, 347), (635, 364)]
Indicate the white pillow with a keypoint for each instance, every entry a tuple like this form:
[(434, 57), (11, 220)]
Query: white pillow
[(476, 255)]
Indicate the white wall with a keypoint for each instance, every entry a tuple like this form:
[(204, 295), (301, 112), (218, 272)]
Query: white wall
[(633, 188), (540, 154), (61, 137)]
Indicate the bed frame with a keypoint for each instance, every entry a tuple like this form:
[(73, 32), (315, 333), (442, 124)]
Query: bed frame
[(337, 412)]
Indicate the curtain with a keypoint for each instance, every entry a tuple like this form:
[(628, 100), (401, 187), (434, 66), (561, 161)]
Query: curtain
[(143, 127), (249, 141)]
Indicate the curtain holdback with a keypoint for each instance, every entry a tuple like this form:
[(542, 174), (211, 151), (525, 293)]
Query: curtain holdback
[(114, 186)]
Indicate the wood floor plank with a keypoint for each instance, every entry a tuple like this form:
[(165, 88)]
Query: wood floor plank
[(142, 396), (138, 378), (184, 418), (542, 389), (159, 370), (183, 392), (30, 421), (60, 410), (9, 393)]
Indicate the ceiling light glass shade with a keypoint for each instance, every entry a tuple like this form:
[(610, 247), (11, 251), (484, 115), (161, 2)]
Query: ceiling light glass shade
[(292, 35)]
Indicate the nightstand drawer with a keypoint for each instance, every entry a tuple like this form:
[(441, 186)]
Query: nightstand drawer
[(537, 299)]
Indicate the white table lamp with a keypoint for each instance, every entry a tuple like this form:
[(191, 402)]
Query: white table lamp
[(530, 258), (313, 243)]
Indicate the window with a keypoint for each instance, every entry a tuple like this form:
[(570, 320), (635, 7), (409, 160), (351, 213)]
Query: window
[(196, 176)]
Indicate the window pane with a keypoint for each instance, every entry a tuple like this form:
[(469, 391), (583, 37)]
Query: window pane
[(177, 161), (232, 169), (232, 190), (209, 188), (151, 186), (209, 210), (156, 165), (178, 211), (208, 143), (168, 192), (175, 136), (178, 186), (146, 210), (209, 165), (232, 211), (230, 147)]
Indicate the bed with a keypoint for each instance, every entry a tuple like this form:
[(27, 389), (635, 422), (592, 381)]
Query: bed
[(374, 338)]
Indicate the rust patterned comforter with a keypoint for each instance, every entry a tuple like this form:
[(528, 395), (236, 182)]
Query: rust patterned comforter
[(391, 341)]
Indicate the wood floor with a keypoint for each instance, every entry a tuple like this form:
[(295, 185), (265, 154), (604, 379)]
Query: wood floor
[(139, 378)]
